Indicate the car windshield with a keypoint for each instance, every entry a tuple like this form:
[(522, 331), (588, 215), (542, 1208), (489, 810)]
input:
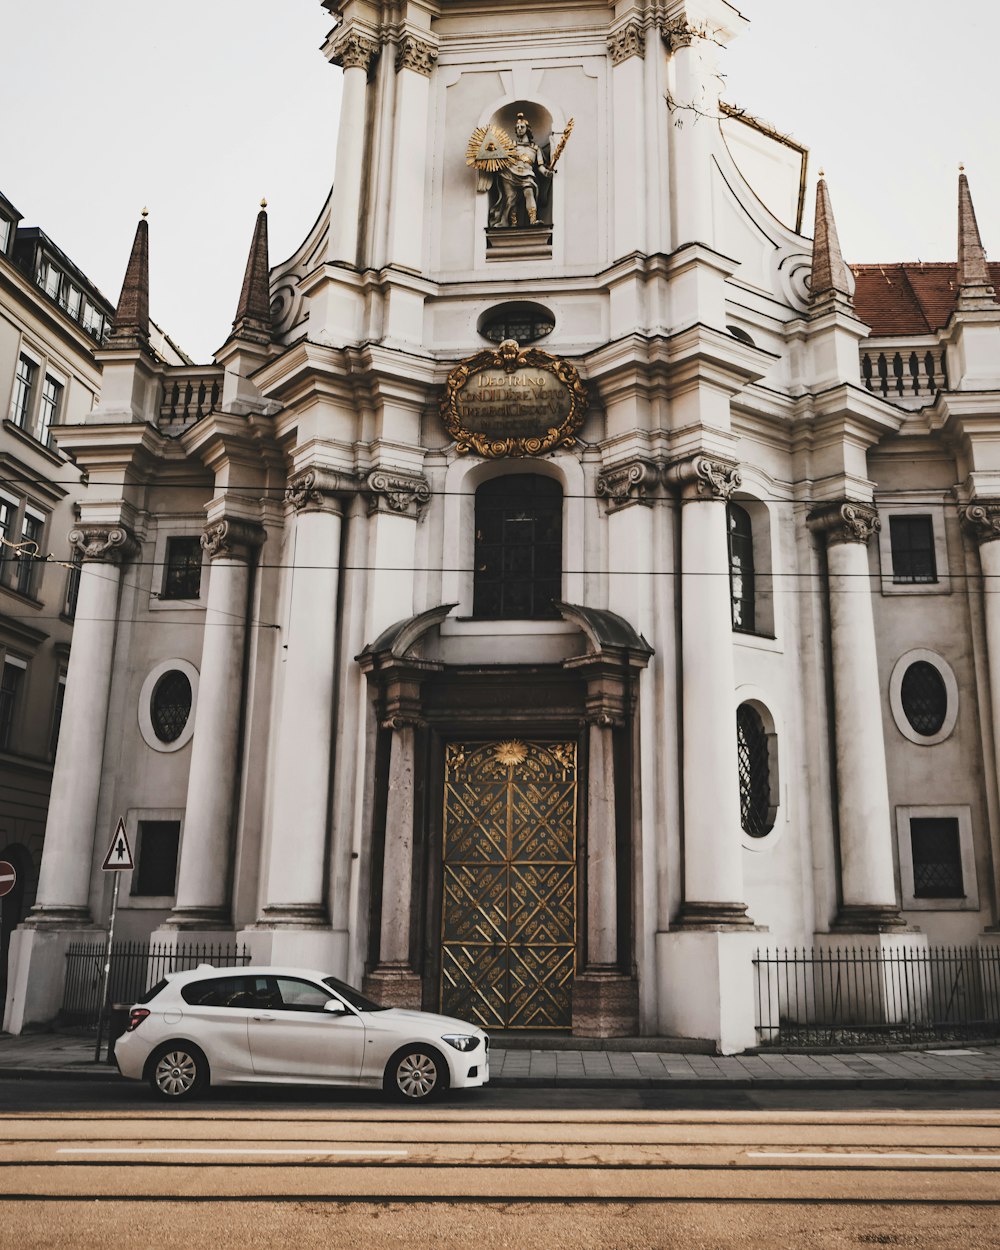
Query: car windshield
[(351, 995)]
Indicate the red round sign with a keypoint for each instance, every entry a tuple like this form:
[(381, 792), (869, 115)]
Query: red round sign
[(8, 876)]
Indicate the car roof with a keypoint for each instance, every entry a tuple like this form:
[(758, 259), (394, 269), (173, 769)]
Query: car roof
[(250, 970)]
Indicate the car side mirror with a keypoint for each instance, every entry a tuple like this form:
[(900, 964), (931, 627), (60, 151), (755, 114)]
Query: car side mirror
[(335, 1007)]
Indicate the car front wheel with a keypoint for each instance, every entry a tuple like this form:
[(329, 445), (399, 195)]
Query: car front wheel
[(415, 1074), (178, 1071)]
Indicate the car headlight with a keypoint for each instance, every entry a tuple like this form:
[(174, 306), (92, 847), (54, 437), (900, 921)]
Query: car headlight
[(461, 1041)]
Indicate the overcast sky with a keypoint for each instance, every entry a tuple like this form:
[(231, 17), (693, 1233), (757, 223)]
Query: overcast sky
[(197, 108)]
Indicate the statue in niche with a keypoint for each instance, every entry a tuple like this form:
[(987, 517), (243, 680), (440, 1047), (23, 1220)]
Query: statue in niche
[(515, 172)]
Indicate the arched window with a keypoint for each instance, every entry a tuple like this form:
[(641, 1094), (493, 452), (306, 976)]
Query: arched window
[(757, 812), (741, 576), (518, 557)]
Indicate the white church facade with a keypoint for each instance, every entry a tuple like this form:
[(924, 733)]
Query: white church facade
[(566, 579)]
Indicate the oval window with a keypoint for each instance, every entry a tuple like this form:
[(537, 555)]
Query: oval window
[(924, 697), (521, 321), (170, 705)]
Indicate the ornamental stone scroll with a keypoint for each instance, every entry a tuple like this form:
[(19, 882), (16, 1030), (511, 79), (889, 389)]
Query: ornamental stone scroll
[(982, 520), (706, 478), (356, 50), (627, 41), (317, 490), (630, 483), (404, 494), (103, 544), (845, 521), (233, 539)]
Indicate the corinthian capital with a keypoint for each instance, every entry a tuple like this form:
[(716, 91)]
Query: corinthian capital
[(103, 544), (845, 521), (316, 490), (678, 33), (706, 478), (233, 539), (627, 41), (355, 49), (404, 493), (628, 483), (416, 54), (982, 519)]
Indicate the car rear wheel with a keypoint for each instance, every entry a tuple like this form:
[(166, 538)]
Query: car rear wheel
[(178, 1071), (415, 1074)]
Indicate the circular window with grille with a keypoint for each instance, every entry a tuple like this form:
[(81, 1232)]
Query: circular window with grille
[(518, 320), (166, 705), (923, 696)]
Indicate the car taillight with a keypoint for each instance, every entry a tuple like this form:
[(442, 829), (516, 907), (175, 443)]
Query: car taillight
[(135, 1018)]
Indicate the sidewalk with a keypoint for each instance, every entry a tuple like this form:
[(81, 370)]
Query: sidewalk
[(64, 1055)]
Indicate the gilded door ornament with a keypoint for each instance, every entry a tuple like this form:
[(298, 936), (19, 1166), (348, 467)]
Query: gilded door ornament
[(509, 877), (513, 402)]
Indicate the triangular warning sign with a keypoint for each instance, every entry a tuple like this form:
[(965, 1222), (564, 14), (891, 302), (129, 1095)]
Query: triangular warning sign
[(119, 856)]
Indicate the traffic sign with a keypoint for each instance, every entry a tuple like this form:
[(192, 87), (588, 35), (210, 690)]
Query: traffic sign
[(8, 877), (119, 856)]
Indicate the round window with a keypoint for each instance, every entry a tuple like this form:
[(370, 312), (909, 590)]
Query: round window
[(520, 320), (170, 705), (924, 697)]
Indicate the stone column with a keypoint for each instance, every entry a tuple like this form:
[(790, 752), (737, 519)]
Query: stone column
[(67, 856), (868, 877), (394, 982), (296, 879), (713, 855), (354, 51), (627, 49), (415, 60), (203, 883), (694, 106)]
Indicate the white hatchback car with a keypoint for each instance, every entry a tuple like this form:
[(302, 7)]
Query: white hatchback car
[(286, 1026)]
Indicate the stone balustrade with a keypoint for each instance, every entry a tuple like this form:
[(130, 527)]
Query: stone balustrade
[(188, 395)]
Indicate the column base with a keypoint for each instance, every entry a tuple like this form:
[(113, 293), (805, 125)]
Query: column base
[(605, 1004), (300, 915), (872, 979), (36, 966), (44, 917), (394, 985), (694, 915), (209, 919), (294, 945), (209, 944), (706, 987), (867, 918)]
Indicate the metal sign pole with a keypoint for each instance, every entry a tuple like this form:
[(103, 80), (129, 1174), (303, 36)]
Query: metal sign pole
[(107, 972)]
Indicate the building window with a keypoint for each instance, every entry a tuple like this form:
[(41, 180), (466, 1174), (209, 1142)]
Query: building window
[(742, 588), (52, 391), (523, 322), (911, 541), (182, 569), (518, 555), (753, 751), (6, 535), (11, 681), (156, 857), (936, 847), (57, 712), (4, 235), (29, 549), (50, 279), (924, 698), (73, 585), (170, 705), (74, 297), (24, 383)]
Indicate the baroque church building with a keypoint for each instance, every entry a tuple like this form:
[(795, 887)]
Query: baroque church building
[(566, 579)]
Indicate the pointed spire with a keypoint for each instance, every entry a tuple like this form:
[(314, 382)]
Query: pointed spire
[(130, 328), (829, 272), (974, 287), (253, 316)]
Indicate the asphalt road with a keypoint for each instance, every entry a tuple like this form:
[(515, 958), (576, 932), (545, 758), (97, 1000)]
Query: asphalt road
[(101, 1164)]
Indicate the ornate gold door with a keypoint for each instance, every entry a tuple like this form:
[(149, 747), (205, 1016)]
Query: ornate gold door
[(509, 899)]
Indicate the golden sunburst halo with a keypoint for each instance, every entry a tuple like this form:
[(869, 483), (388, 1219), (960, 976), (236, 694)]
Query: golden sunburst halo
[(490, 149), (510, 754)]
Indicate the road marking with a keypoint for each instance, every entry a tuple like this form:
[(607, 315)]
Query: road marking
[(209, 1150), (864, 1154)]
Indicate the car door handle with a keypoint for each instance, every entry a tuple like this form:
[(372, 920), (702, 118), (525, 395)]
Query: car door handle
[(264, 1016)]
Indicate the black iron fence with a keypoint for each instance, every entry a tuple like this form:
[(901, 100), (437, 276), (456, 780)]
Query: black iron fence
[(871, 996), (135, 966)]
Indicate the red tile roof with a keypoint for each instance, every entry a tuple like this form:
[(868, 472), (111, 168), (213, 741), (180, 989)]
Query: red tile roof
[(908, 298)]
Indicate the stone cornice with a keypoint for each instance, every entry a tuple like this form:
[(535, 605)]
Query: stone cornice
[(233, 538), (845, 521), (103, 544)]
